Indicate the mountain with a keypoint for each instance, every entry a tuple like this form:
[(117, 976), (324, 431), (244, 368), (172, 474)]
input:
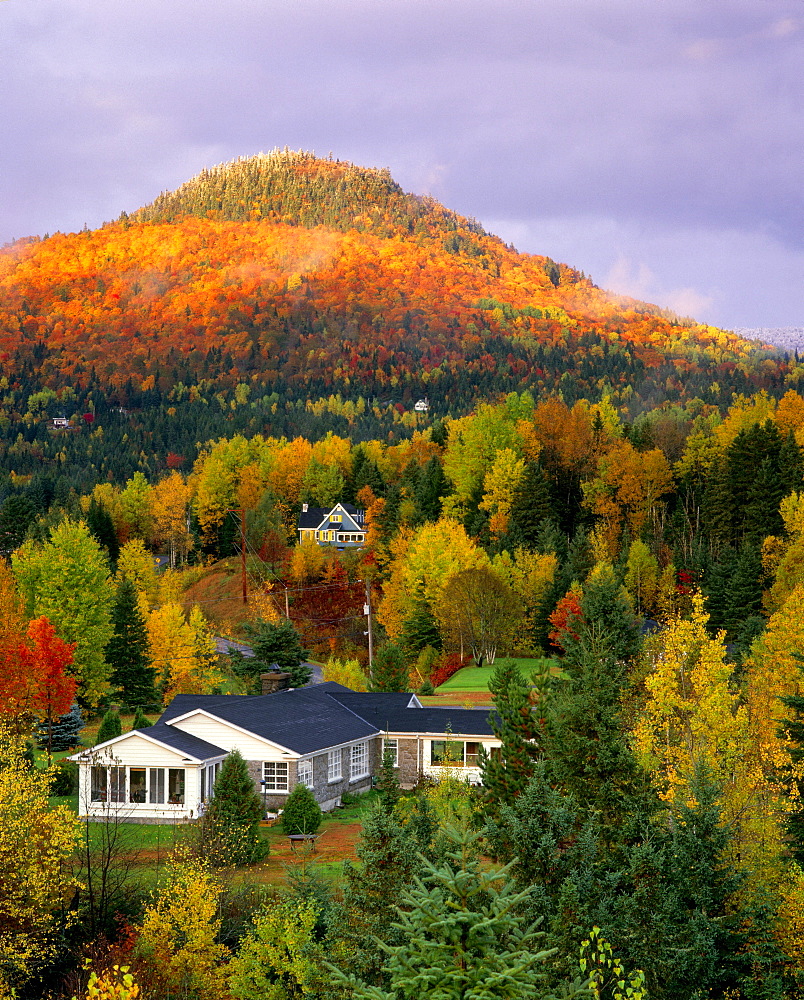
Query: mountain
[(284, 289)]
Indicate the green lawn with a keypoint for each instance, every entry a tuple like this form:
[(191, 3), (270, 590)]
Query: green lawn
[(477, 678)]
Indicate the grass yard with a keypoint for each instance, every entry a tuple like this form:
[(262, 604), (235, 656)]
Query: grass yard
[(474, 679)]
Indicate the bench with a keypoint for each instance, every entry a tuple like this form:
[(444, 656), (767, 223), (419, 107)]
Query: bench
[(302, 838)]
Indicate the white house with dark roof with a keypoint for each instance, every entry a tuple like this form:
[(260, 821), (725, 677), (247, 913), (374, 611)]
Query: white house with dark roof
[(341, 526), (325, 736)]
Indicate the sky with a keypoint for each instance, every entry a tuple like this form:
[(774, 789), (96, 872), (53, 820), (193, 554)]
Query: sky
[(656, 145)]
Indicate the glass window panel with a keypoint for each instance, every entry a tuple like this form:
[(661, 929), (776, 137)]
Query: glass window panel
[(203, 784), (275, 776), (156, 791), (117, 784), (176, 785), (99, 779), (136, 784), (304, 773), (334, 765), (473, 754), (358, 762), (393, 746)]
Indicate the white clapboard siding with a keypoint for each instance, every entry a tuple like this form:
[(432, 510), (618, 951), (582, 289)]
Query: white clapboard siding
[(136, 751), (228, 737)]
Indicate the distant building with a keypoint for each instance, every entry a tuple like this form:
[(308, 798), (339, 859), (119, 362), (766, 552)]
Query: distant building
[(61, 422), (341, 526), (422, 405)]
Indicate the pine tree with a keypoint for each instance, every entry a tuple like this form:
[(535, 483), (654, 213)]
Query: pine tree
[(128, 653), (389, 859), (100, 523), (278, 643), (507, 773), (388, 782), (232, 820), (110, 727), (302, 814), (585, 739), (66, 731), (389, 671), (140, 721), (463, 935)]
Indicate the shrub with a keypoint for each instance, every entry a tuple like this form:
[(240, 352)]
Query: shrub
[(302, 813), (64, 777), (140, 720), (110, 727)]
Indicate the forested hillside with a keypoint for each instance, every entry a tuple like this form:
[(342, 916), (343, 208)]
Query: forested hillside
[(286, 294)]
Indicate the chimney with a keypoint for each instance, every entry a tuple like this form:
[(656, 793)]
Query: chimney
[(304, 508), (274, 682)]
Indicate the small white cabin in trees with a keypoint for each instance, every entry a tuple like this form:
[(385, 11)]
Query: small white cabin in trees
[(341, 526), (422, 405), (61, 422)]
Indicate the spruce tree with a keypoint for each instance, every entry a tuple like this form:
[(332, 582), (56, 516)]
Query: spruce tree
[(110, 727), (506, 773), (302, 814), (389, 671), (128, 654), (65, 732), (140, 720), (463, 935), (277, 643), (585, 740), (389, 859), (232, 820)]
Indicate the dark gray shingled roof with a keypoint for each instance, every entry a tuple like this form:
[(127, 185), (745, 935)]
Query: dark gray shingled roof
[(185, 743), (311, 719), (304, 720), (391, 712)]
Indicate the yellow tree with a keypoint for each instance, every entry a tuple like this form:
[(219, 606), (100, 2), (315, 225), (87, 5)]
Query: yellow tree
[(642, 578), (170, 507), (137, 563), (692, 716), (178, 935), (182, 653), (346, 672), (421, 568), (499, 485), (135, 506), (36, 844)]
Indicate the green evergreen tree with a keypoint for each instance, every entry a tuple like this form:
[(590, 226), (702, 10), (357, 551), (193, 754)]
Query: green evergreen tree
[(506, 773), (532, 505), (389, 671), (65, 733), (277, 643), (433, 486), (140, 721), (388, 860), (388, 781), (463, 935), (793, 729), (110, 727), (232, 820), (302, 814), (100, 523), (128, 653), (585, 739)]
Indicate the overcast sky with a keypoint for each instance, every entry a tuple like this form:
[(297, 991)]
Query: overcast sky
[(656, 145)]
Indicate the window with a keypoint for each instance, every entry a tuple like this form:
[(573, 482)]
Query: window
[(473, 754), (452, 753), (156, 791), (117, 784), (334, 765), (275, 776), (335, 518), (136, 784), (359, 761), (304, 773), (393, 746), (176, 785), (99, 779)]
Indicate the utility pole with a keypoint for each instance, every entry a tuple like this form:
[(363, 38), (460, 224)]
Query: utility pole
[(287, 606), (367, 613), (243, 553)]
